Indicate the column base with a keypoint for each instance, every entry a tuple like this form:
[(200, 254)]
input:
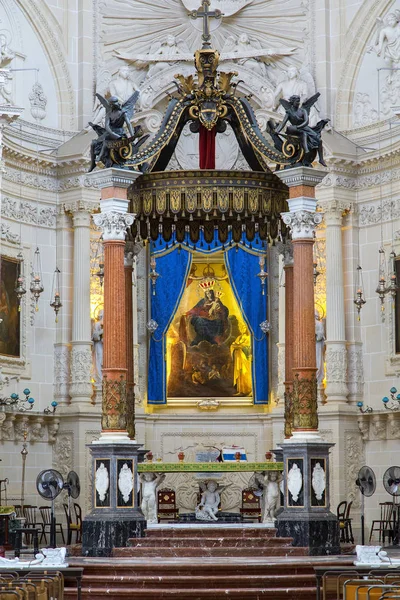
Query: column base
[(102, 533), (114, 437), (319, 533), (116, 515), (299, 437)]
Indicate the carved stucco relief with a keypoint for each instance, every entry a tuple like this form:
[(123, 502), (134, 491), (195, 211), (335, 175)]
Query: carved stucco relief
[(361, 39), (354, 460)]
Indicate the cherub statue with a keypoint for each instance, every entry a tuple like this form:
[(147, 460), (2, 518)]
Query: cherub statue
[(387, 43), (320, 345), (298, 117), (250, 53), (97, 337), (210, 499), (118, 116), (267, 485), (272, 495), (150, 482), (162, 54)]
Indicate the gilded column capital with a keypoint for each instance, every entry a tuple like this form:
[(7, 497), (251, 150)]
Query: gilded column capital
[(113, 224), (302, 223)]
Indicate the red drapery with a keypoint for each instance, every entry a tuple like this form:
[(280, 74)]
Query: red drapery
[(207, 147)]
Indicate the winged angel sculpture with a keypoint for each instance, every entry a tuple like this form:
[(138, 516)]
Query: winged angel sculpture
[(299, 130), (112, 140)]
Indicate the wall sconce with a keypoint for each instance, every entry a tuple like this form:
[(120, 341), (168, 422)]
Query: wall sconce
[(392, 403), (365, 410), (21, 404)]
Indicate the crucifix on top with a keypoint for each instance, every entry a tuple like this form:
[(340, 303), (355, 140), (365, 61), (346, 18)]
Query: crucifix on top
[(204, 13)]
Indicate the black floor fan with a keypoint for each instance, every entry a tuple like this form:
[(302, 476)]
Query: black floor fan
[(391, 483), (49, 484), (73, 487), (366, 483)]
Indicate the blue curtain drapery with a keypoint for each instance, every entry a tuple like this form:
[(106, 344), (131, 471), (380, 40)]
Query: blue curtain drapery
[(173, 264), (242, 267), (174, 268)]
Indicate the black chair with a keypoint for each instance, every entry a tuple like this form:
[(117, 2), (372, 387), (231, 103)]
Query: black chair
[(73, 525), (341, 515), (348, 530), (384, 525), (45, 513), (28, 531)]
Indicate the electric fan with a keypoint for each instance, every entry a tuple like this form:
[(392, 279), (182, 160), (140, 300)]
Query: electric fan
[(391, 483), (366, 483), (49, 484), (73, 487)]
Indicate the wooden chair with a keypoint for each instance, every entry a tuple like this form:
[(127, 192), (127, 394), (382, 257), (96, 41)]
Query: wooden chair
[(333, 582), (78, 517), (53, 581), (341, 514), (384, 525), (251, 506), (166, 505), (7, 594), (348, 530), (45, 513), (356, 589), (72, 525), (29, 514)]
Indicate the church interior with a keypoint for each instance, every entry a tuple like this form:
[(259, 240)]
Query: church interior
[(200, 299)]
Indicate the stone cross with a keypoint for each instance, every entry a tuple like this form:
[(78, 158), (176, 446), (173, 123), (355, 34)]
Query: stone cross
[(204, 13)]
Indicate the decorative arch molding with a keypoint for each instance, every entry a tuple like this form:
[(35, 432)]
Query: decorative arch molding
[(48, 31), (366, 16)]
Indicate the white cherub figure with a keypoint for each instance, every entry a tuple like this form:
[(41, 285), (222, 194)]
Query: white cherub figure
[(268, 484), (210, 499), (272, 495), (150, 482)]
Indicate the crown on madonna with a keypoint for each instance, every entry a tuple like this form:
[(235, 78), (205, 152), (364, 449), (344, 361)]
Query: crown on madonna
[(207, 285)]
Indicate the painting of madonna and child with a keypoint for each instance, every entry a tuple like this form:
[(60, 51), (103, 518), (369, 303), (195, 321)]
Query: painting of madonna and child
[(208, 342)]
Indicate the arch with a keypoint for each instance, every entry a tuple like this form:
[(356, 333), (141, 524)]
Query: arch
[(352, 61), (46, 28)]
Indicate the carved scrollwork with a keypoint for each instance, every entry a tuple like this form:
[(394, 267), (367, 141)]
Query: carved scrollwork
[(114, 404), (81, 366), (61, 372), (336, 369), (303, 399), (113, 224), (355, 459), (302, 223)]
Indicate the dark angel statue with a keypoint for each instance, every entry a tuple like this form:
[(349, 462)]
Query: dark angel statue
[(299, 135), (112, 145)]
